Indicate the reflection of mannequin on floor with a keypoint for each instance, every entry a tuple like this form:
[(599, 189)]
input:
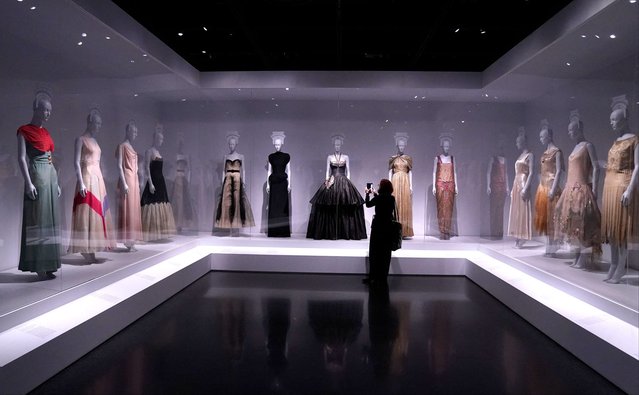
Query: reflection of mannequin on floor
[(233, 207), (400, 173), (277, 321), (91, 224), (578, 217), (130, 216), (548, 191), (497, 190), (278, 187), (40, 242), (620, 209), (520, 218), (445, 187)]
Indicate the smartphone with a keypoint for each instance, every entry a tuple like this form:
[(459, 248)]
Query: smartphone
[(369, 185)]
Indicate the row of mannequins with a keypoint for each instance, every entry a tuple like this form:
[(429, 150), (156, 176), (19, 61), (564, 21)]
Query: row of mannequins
[(144, 216), (571, 213), (562, 214)]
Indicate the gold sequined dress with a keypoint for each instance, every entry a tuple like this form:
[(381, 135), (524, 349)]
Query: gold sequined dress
[(401, 165), (544, 207)]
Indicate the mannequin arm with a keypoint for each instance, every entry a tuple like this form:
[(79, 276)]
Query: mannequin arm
[(410, 181), (223, 168), (525, 193), (125, 187), (558, 167), (147, 163), (29, 189), (435, 177), (348, 167), (243, 167), (82, 189), (490, 167), (595, 167), (626, 198), (288, 173), (268, 176), (507, 183), (328, 167)]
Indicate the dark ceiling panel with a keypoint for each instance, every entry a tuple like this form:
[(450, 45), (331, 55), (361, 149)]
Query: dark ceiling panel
[(425, 35)]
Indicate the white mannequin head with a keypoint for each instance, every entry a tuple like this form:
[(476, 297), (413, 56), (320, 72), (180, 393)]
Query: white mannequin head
[(401, 140), (446, 146), (42, 107), (338, 141), (446, 142), (545, 136), (618, 121), (233, 140), (278, 140), (158, 138), (131, 131), (576, 130), (94, 121)]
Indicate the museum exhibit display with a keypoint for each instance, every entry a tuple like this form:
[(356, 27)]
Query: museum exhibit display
[(578, 217), (129, 209), (549, 188), (158, 222), (620, 210), (400, 174), (196, 185), (40, 238), (278, 188), (445, 187), (337, 207), (233, 206), (91, 224)]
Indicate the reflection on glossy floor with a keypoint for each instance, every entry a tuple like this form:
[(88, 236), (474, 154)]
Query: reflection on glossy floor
[(252, 333)]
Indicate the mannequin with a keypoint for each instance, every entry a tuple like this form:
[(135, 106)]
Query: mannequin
[(445, 187), (520, 218), (158, 222), (181, 195), (40, 242), (548, 191), (233, 208), (337, 210), (578, 216), (91, 230), (130, 216), (400, 173), (497, 190), (278, 186), (620, 209)]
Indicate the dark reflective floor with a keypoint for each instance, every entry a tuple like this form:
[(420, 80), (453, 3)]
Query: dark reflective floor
[(239, 333)]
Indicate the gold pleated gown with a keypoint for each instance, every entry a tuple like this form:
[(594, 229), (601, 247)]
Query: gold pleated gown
[(400, 165), (544, 207)]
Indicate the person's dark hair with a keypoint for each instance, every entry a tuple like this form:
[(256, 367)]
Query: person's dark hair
[(385, 186)]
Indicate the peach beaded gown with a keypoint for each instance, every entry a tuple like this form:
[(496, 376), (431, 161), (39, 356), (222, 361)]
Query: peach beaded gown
[(577, 218), (620, 224), (129, 209)]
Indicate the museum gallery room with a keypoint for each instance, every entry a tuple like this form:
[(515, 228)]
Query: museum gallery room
[(319, 197)]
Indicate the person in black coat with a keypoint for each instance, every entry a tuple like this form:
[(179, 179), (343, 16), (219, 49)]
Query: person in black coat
[(379, 250)]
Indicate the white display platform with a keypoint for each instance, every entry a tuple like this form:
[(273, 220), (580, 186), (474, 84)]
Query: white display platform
[(602, 332)]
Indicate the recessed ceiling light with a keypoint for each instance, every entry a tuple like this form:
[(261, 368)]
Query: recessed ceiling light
[(596, 35), (482, 31), (272, 98), (457, 30), (20, 1), (183, 99), (285, 88), (180, 34), (583, 36), (145, 55), (79, 42), (83, 34), (631, 1), (32, 8), (135, 95), (277, 105), (485, 94), (463, 121), (613, 36), (203, 51), (386, 121), (205, 29), (567, 63), (415, 97), (107, 37), (132, 61), (423, 97)]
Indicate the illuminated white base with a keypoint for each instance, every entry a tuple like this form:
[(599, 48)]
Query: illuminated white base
[(608, 341)]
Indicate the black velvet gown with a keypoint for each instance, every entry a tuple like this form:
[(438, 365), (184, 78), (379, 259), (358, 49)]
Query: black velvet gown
[(279, 224)]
